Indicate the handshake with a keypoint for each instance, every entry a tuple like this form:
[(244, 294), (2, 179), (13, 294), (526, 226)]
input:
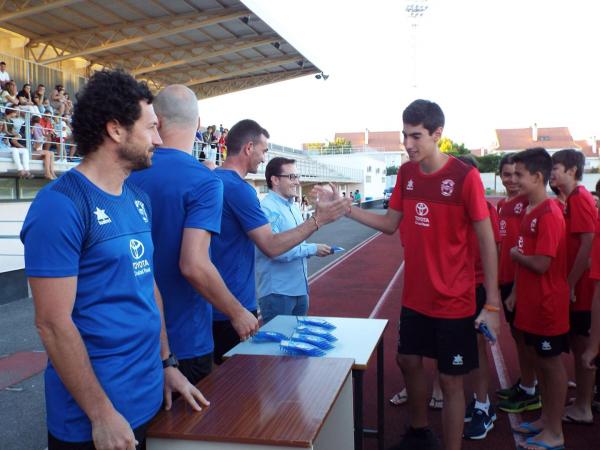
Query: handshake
[(329, 205)]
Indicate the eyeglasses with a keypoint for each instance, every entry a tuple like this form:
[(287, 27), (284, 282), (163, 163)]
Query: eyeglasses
[(291, 176)]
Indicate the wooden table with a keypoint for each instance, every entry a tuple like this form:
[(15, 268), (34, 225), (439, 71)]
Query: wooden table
[(264, 402), (357, 339)]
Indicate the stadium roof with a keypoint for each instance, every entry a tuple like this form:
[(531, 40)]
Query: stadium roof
[(212, 46)]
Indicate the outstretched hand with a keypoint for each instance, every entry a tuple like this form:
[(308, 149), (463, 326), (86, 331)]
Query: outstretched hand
[(329, 206), (176, 382)]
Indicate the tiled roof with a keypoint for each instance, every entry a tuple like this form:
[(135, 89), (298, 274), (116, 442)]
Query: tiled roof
[(587, 149), (521, 138), (390, 141)]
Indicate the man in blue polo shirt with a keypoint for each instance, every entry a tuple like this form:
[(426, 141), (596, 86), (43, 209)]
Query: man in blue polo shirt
[(187, 201), (88, 256), (282, 282), (244, 225)]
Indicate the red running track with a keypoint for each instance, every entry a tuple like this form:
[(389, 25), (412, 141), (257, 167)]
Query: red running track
[(355, 287)]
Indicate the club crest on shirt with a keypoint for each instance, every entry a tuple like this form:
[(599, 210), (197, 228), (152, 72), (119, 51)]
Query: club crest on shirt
[(101, 216), (502, 226), (422, 211), (518, 208), (141, 208), (447, 187), (533, 225), (520, 244), (410, 185)]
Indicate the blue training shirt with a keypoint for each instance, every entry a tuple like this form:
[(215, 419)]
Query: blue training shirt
[(74, 229), (233, 250), (184, 194)]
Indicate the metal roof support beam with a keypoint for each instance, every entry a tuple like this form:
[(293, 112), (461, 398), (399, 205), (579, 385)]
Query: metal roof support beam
[(202, 57), (223, 17), (243, 70), (26, 10)]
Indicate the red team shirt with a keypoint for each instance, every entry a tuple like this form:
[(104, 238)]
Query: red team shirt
[(511, 213), (542, 306), (581, 216), (438, 210), (479, 275)]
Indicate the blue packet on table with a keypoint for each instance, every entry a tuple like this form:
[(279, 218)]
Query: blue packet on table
[(337, 250), (300, 348), (316, 322), (268, 336), (317, 341), (316, 331)]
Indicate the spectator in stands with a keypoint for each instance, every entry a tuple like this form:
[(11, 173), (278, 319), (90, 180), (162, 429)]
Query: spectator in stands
[(305, 207), (223, 143), (185, 217), (48, 128), (99, 317), (8, 97), (281, 282), (244, 225), (68, 104), (47, 107), (26, 100), (4, 75), (16, 152), (58, 100), (38, 98)]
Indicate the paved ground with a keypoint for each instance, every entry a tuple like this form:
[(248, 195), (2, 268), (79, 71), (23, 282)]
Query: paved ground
[(22, 415)]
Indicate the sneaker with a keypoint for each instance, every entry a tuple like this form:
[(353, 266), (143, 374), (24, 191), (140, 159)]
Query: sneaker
[(469, 411), (508, 392), (520, 402), (422, 439), (479, 426)]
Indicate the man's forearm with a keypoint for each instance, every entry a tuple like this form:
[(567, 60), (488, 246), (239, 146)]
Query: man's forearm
[(71, 361), (207, 280), (282, 242)]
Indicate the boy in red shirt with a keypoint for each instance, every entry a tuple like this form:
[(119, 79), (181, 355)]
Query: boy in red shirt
[(542, 295), (523, 395), (581, 217), (440, 199)]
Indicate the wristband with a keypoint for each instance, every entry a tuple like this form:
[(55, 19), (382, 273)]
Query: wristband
[(314, 217), (491, 308)]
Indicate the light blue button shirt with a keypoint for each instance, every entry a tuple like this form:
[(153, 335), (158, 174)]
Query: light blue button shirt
[(285, 274)]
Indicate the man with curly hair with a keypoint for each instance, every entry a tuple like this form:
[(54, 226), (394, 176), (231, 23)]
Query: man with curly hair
[(89, 259)]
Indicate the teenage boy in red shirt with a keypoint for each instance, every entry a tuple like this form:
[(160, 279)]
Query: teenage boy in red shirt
[(542, 295), (581, 217), (439, 199), (523, 395)]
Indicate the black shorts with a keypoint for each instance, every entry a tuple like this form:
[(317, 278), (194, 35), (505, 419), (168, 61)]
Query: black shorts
[(451, 342), (195, 369), (505, 290), (581, 322), (547, 345), (57, 444)]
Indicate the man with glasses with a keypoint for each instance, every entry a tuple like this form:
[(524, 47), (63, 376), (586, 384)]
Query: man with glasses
[(244, 225), (282, 282)]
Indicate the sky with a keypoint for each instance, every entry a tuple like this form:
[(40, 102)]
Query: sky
[(489, 64)]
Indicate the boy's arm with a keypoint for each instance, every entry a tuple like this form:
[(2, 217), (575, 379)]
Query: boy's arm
[(489, 260), (536, 263), (581, 262), (591, 351), (387, 223)]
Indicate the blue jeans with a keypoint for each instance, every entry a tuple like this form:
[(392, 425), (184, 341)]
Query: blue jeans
[(275, 304)]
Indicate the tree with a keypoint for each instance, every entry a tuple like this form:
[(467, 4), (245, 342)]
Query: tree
[(447, 145), (489, 163), (391, 170)]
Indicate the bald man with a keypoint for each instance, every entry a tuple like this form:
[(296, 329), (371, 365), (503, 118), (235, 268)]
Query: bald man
[(187, 202)]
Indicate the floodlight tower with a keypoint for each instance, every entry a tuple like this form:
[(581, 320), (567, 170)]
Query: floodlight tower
[(415, 10)]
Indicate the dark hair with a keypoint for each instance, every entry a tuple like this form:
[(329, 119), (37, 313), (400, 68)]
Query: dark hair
[(2, 63), (469, 160), (241, 133), (570, 158), (535, 160), (598, 186), (426, 113), (35, 119), (274, 168), (108, 95), (506, 159), (555, 190)]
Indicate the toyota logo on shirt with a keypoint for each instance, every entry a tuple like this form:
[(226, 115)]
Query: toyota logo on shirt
[(137, 248), (422, 209)]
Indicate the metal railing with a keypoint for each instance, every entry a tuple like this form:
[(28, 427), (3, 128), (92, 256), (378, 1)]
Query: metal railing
[(347, 150), (65, 149)]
